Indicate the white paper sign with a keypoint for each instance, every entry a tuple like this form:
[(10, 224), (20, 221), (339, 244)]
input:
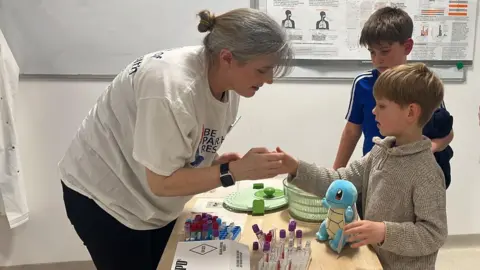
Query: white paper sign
[(330, 29), (211, 255)]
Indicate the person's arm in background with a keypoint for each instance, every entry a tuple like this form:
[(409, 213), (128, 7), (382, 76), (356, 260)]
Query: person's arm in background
[(441, 143), (353, 128), (350, 136), (440, 129)]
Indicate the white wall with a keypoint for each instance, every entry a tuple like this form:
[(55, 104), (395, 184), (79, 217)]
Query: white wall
[(49, 112)]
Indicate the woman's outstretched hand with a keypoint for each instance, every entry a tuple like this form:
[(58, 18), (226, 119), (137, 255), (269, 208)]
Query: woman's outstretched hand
[(258, 163)]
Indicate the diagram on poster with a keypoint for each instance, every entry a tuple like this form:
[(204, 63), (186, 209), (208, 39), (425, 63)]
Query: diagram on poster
[(330, 29)]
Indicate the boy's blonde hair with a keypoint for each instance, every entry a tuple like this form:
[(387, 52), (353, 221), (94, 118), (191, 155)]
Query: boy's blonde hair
[(411, 83)]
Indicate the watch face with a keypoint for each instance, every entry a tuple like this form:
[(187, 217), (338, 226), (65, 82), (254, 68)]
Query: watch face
[(227, 180)]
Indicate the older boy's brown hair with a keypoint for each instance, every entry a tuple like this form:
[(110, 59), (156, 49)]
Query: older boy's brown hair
[(411, 83), (387, 24)]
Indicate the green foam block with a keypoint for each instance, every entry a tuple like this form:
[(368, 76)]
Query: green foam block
[(257, 185), (258, 208)]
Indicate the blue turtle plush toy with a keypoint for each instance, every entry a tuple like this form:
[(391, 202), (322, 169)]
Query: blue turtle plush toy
[(340, 201)]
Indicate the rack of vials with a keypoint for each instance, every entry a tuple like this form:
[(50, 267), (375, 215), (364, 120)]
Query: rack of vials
[(207, 227), (284, 252)]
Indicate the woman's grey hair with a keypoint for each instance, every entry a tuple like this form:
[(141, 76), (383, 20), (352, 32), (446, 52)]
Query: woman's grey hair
[(247, 34)]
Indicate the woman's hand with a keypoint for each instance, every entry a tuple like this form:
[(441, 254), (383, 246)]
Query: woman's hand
[(258, 163), (227, 157)]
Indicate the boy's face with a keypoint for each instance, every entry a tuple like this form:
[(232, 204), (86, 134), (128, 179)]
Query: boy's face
[(392, 119), (385, 55)]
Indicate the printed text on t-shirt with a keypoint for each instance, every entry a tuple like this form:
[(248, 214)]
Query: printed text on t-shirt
[(211, 140)]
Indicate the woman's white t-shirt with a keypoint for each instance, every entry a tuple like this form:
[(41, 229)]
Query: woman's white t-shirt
[(158, 113)]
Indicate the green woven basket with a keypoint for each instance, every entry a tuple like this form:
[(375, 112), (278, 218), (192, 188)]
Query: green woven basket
[(302, 205)]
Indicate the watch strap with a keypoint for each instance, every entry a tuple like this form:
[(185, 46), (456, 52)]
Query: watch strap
[(226, 178)]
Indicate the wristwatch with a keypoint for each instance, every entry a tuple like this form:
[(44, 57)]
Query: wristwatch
[(225, 176)]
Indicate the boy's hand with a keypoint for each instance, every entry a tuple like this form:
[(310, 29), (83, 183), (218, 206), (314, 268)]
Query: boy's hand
[(289, 163), (365, 232)]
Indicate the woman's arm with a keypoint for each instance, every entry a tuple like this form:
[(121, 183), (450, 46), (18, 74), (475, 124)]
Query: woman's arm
[(184, 181), (258, 163)]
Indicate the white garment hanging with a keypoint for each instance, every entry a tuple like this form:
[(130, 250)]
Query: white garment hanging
[(13, 201)]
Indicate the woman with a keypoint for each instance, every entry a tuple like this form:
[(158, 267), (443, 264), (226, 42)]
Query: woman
[(150, 142)]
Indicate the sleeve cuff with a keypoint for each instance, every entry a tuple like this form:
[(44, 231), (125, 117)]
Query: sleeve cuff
[(384, 237), (391, 232), (354, 121), (301, 169), (160, 171)]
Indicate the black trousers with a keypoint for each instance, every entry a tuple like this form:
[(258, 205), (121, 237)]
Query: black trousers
[(112, 245)]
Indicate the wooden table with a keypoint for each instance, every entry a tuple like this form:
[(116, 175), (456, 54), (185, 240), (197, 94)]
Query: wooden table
[(323, 257)]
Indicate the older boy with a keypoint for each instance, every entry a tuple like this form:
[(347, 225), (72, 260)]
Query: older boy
[(388, 36), (403, 187)]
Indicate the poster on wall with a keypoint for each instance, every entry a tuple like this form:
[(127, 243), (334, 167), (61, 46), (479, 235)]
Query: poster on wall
[(330, 29)]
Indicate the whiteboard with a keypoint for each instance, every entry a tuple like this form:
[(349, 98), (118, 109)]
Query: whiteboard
[(347, 70), (85, 39), (99, 37), (443, 30)]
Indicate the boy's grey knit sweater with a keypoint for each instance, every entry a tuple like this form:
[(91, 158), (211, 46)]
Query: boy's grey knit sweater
[(405, 188)]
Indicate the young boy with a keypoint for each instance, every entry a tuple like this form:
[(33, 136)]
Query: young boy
[(388, 36), (405, 196)]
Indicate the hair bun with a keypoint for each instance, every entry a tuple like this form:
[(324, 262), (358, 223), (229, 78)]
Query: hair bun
[(207, 21)]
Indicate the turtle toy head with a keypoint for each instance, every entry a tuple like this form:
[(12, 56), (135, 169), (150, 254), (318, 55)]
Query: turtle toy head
[(341, 194)]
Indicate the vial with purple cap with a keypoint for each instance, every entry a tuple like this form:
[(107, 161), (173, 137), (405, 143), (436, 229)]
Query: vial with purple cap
[(210, 229), (298, 235), (283, 236), (187, 231), (291, 234), (255, 246), (215, 234), (205, 231), (292, 221), (266, 251), (259, 234)]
